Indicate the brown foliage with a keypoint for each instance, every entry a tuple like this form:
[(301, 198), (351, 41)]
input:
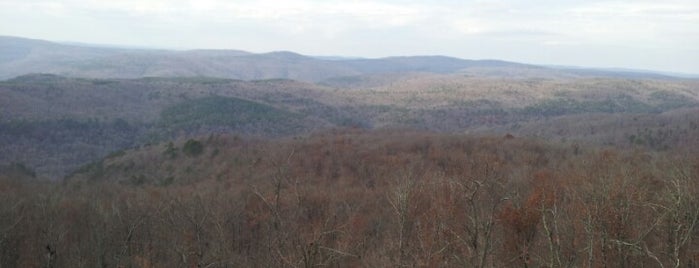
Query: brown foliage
[(356, 199)]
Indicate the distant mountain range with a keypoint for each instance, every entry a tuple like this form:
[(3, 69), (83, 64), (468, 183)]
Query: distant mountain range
[(20, 56)]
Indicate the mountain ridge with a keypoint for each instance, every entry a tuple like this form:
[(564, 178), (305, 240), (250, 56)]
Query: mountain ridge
[(20, 56)]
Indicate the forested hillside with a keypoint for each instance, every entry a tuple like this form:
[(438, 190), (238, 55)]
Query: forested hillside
[(54, 124), (408, 161), (352, 198), (363, 133)]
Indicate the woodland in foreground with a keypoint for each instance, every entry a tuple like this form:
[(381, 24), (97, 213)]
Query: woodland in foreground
[(359, 199)]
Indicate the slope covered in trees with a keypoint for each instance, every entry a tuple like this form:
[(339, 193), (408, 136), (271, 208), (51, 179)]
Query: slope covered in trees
[(53, 124), (352, 198), (442, 167)]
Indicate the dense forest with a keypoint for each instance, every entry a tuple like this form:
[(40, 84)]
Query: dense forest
[(353, 198), (114, 157), (54, 124)]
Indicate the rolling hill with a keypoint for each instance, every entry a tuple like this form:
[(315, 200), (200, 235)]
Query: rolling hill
[(20, 56), (215, 158), (54, 124), (66, 105)]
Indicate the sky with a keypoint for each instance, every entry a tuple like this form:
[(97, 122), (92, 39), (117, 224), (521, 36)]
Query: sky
[(639, 34)]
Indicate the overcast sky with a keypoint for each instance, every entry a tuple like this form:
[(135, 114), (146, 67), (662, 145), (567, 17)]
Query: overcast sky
[(656, 35)]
